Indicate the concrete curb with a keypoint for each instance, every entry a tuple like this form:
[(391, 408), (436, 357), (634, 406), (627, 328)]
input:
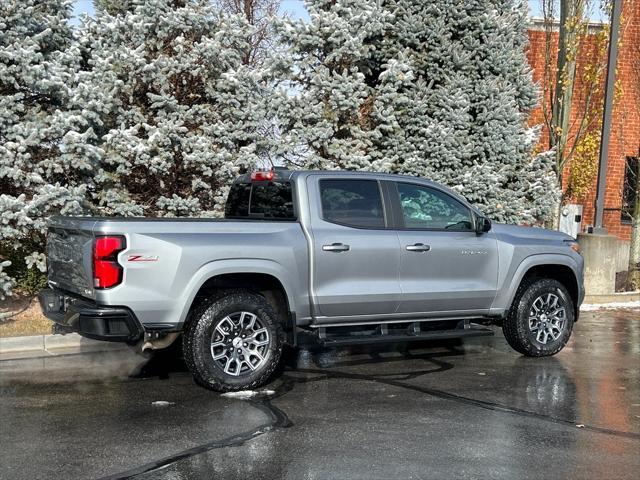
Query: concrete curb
[(36, 346), (613, 298), (19, 344)]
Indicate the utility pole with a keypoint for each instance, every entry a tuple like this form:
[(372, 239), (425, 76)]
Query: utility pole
[(607, 114), (598, 248)]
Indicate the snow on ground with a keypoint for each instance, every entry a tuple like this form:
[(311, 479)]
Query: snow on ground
[(586, 307), (245, 394)]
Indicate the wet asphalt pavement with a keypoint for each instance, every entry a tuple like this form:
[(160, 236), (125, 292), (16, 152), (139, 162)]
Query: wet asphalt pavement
[(475, 409)]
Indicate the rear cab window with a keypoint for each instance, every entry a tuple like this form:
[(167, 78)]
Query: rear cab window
[(353, 203), (261, 200)]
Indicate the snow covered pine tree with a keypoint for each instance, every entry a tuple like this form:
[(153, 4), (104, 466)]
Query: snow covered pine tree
[(176, 113), (440, 90), (37, 176)]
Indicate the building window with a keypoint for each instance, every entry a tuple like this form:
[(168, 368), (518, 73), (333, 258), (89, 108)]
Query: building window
[(629, 190)]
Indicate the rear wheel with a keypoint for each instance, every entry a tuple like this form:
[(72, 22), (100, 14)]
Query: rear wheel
[(541, 318), (233, 342)]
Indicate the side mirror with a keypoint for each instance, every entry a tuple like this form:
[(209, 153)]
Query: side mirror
[(483, 225)]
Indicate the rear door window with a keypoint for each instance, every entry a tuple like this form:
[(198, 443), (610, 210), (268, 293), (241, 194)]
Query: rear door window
[(354, 203), (272, 200)]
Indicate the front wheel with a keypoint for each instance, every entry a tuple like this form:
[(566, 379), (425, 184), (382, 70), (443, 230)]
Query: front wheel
[(233, 342), (541, 318)]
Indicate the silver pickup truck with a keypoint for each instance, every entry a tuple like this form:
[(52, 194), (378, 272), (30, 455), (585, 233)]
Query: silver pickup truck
[(343, 257)]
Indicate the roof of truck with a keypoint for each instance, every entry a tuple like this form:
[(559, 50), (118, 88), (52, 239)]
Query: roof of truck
[(281, 173), (284, 174)]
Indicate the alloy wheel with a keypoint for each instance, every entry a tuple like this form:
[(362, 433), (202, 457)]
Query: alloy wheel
[(239, 343), (547, 318)]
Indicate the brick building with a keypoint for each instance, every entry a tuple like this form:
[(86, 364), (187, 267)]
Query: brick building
[(625, 135)]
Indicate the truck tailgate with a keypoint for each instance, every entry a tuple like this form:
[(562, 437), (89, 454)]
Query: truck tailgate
[(69, 253)]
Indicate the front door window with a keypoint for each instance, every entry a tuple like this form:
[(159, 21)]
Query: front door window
[(427, 208)]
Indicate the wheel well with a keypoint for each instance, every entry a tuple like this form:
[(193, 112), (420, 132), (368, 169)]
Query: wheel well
[(561, 273), (266, 285)]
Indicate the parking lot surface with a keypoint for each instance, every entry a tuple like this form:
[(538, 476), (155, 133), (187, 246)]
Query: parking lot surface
[(431, 410)]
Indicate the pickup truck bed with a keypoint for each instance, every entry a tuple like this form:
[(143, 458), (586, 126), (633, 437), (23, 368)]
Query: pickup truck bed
[(167, 261)]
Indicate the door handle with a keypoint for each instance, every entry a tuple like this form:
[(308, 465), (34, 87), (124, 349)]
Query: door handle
[(335, 247), (418, 247)]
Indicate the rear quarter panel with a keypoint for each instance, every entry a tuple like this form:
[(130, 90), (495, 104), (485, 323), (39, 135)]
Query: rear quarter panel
[(180, 256)]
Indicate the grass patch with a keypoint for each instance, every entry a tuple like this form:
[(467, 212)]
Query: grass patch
[(26, 319)]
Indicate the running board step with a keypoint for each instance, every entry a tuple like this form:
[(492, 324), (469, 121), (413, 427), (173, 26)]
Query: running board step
[(328, 340)]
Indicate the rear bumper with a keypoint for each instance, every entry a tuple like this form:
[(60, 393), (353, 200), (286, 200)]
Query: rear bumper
[(74, 314)]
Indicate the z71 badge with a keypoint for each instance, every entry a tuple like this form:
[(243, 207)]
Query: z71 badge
[(142, 258)]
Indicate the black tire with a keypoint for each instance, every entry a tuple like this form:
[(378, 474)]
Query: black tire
[(198, 336), (516, 327)]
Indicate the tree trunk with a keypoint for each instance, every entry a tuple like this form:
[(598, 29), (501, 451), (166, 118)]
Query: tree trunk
[(571, 16), (633, 277), (559, 124), (557, 213)]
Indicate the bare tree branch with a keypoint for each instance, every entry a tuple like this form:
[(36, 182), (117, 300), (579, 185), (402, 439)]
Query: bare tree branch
[(258, 13)]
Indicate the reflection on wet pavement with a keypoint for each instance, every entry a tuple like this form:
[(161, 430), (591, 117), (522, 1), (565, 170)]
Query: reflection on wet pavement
[(456, 410)]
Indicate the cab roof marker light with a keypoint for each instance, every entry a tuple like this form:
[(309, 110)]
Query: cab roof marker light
[(262, 176)]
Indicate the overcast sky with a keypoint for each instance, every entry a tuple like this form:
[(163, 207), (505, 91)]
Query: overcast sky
[(295, 8)]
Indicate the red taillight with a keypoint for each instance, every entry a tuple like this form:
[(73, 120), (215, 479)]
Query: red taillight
[(262, 176), (108, 246), (107, 272)]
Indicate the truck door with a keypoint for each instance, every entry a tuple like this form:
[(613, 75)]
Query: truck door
[(356, 257), (445, 267)]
